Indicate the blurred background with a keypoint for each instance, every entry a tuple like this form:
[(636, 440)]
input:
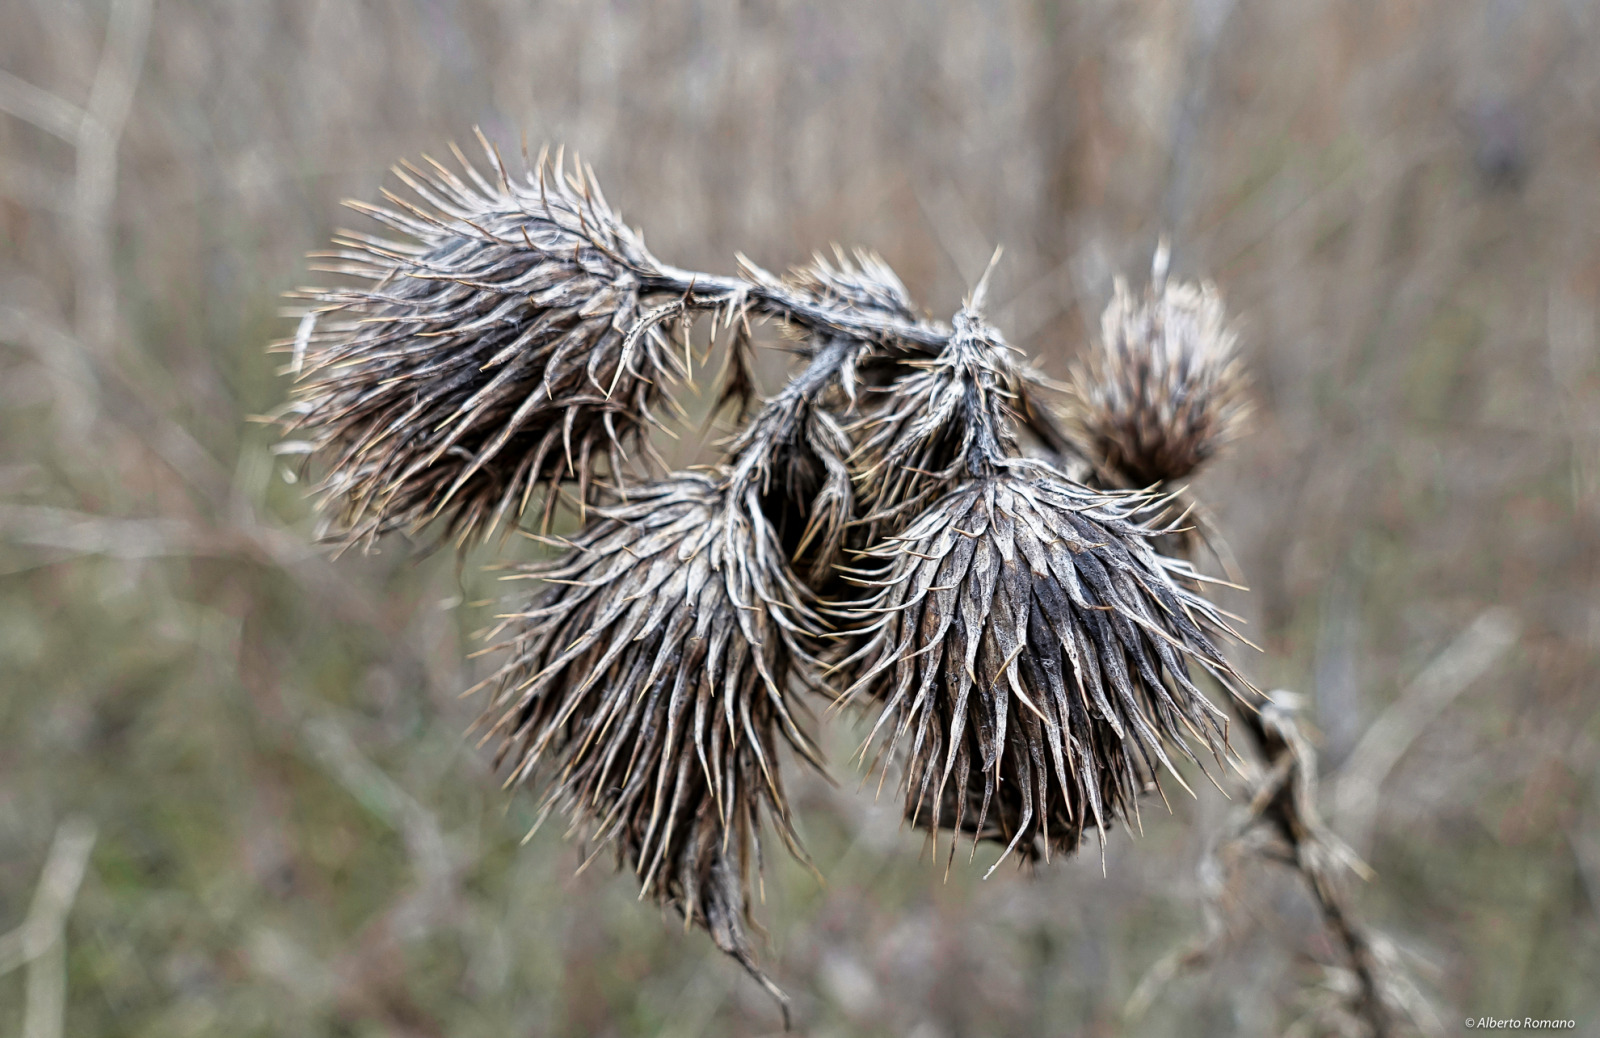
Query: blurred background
[(235, 796)]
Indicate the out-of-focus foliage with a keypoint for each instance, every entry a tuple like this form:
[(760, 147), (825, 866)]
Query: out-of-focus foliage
[(293, 837)]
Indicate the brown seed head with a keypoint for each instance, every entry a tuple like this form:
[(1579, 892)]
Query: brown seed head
[(945, 418), (1163, 390), (503, 341), (1028, 650), (649, 683), (1031, 656)]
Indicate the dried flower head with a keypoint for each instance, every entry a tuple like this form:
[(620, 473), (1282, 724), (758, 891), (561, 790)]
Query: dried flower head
[(1031, 656), (658, 668), (1030, 653), (1026, 646), (795, 454), (1164, 388), (862, 283), (650, 682), (948, 416), (504, 342)]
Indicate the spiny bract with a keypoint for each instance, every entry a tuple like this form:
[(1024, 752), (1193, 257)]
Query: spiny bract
[(505, 342), (649, 683), (1030, 657), (1164, 389)]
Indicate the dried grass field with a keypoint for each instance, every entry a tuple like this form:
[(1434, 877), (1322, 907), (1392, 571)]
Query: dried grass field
[(236, 796)]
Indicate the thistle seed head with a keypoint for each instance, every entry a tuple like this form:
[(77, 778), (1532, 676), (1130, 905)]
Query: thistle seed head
[(649, 683), (1030, 653), (1030, 656), (502, 341), (860, 283), (1164, 388), (946, 418), (795, 454)]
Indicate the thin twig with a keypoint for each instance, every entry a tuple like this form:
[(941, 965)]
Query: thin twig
[(1452, 672), (1281, 823), (98, 136), (360, 979), (54, 115), (1287, 801), (65, 358), (40, 942), (1570, 347), (1201, 950), (332, 747), (64, 533)]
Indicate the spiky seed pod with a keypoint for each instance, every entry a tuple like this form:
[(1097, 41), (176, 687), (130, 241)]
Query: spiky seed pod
[(1023, 634), (795, 455), (931, 427), (504, 341), (657, 669), (1026, 646), (908, 434), (858, 283), (1164, 389), (1031, 656), (649, 682), (940, 419)]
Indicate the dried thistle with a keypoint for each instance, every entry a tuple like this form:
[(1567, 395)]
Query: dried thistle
[(1025, 639), (946, 417), (519, 335), (507, 340), (1027, 647), (1164, 388), (649, 682), (1030, 645), (657, 669)]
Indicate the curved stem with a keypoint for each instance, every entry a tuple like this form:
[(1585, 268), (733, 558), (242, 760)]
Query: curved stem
[(773, 299)]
